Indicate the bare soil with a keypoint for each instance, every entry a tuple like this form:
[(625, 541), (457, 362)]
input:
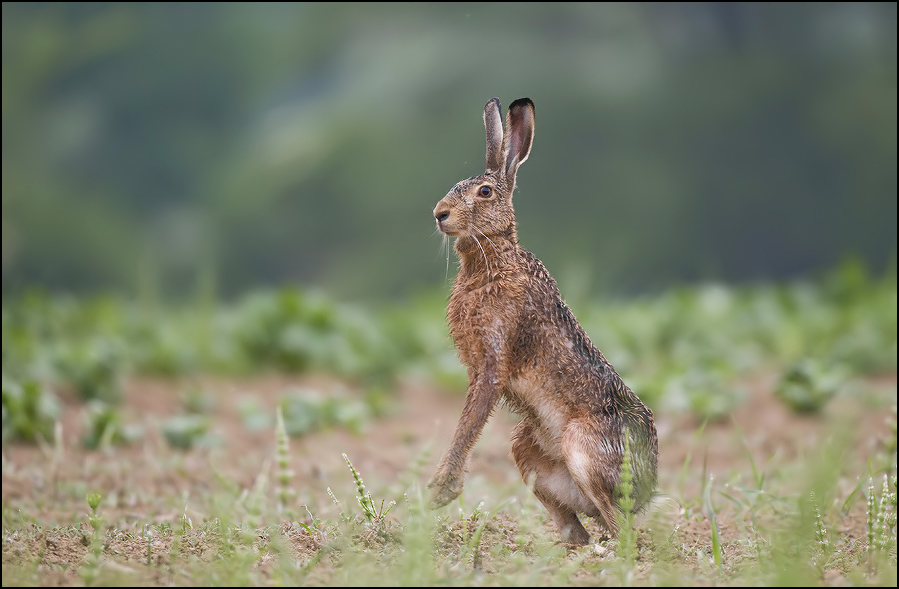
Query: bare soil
[(151, 482)]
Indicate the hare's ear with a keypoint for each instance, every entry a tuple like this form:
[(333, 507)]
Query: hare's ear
[(519, 135), (493, 123)]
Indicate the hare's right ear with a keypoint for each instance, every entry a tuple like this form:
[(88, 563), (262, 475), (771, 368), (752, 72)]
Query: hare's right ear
[(519, 135), (493, 123)]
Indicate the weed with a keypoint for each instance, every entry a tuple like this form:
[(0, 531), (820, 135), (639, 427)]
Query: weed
[(29, 410), (187, 431), (96, 370), (871, 518), (716, 546), (199, 401), (90, 569), (305, 411), (882, 517), (375, 517), (807, 386), (285, 492), (471, 546), (104, 427), (822, 547), (627, 534), (179, 533), (343, 516)]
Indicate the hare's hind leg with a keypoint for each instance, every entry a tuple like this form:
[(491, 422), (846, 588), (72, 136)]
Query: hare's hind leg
[(551, 483), (593, 461)]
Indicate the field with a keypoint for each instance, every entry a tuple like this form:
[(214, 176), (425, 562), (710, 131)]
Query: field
[(285, 439)]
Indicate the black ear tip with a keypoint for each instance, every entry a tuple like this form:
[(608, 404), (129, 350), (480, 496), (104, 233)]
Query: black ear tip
[(492, 101), (522, 102)]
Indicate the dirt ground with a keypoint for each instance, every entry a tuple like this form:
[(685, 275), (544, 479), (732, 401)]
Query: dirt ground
[(149, 482)]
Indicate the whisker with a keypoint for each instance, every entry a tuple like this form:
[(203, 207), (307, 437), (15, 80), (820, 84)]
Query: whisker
[(482, 250), (446, 247), (496, 251), (442, 243)]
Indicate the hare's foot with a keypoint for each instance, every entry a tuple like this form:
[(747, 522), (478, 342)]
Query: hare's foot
[(571, 529), (444, 489)]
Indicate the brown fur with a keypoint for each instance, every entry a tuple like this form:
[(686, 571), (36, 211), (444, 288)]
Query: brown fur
[(522, 344)]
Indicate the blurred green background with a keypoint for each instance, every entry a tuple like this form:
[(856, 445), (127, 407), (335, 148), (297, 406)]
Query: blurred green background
[(176, 147)]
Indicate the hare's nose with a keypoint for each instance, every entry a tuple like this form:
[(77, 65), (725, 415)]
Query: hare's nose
[(441, 213)]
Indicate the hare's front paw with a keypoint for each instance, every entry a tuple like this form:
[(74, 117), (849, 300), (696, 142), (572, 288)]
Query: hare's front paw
[(443, 490)]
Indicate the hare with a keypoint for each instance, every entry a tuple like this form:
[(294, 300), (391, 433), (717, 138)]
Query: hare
[(522, 344)]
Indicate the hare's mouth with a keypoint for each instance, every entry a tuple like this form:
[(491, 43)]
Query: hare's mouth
[(448, 228)]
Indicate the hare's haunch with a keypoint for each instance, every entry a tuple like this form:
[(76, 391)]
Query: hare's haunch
[(522, 344)]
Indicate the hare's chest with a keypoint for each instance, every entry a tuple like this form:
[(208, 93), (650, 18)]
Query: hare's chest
[(479, 326)]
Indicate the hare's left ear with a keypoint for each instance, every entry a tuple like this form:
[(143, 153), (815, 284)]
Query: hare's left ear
[(493, 124), (519, 135)]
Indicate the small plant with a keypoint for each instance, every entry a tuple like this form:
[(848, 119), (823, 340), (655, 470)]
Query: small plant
[(627, 535), (717, 549), (187, 431), (285, 329), (93, 501), (96, 370), (374, 516), (305, 412), (253, 501), (148, 536), (29, 410), (285, 492), (178, 536), (806, 386), (871, 518), (104, 427), (881, 521), (891, 509), (706, 392), (92, 565), (822, 543), (346, 518), (471, 548), (820, 530), (198, 401), (886, 517)]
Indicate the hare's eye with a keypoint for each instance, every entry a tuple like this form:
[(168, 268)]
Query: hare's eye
[(485, 191)]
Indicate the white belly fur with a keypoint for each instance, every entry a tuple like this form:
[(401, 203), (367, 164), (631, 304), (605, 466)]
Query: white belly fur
[(552, 418)]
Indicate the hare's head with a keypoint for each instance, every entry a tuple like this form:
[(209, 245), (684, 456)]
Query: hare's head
[(483, 204)]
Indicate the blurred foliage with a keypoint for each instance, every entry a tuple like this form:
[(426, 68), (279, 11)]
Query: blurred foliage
[(807, 386), (688, 349), (292, 331), (96, 370), (199, 401), (29, 410), (306, 411), (187, 431), (172, 148), (105, 427)]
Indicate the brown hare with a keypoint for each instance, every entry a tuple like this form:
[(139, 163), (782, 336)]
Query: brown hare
[(522, 344)]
